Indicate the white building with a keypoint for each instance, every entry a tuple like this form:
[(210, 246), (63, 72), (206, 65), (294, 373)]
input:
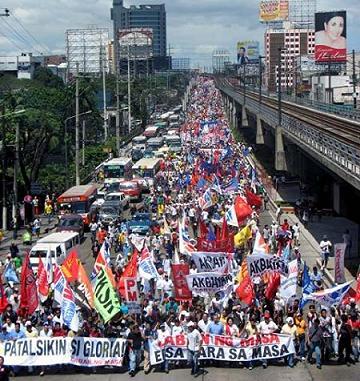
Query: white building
[(22, 66)]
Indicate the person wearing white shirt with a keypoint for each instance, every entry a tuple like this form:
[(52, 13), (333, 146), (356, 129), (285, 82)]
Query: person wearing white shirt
[(325, 247), (194, 342), (296, 230), (204, 323), (161, 334), (266, 327)]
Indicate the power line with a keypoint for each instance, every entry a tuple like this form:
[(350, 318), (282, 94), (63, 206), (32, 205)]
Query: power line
[(30, 34), (17, 35), (11, 41)]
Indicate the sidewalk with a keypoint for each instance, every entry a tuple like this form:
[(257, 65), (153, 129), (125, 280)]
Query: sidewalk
[(8, 236), (311, 236)]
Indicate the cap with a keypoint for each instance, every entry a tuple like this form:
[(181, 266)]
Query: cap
[(352, 300), (289, 320), (190, 324), (267, 315), (299, 314), (46, 323), (28, 323)]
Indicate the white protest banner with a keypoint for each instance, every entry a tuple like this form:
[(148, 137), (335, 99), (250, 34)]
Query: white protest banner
[(209, 282), (132, 296), (147, 269), (259, 264), (224, 348), (138, 241), (83, 351), (329, 296), (212, 262), (339, 262), (288, 284)]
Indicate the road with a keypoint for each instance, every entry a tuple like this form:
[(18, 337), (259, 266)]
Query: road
[(302, 372)]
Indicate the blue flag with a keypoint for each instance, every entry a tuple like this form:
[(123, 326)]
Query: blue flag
[(307, 286), (201, 183), (286, 252), (10, 274), (211, 235)]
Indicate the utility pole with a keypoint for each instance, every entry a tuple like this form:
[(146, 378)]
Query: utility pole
[(83, 142), (104, 94), (168, 69), (244, 80), (354, 79), (260, 79), (129, 90), (16, 166), (77, 171), (3, 157), (117, 119), (279, 88)]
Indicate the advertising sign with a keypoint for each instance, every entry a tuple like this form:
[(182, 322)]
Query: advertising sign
[(274, 10), (248, 52), (136, 42), (330, 37), (339, 262)]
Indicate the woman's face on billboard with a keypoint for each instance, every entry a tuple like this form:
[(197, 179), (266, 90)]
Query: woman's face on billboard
[(335, 27)]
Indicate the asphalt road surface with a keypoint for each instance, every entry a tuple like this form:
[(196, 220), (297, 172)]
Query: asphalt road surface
[(302, 372)]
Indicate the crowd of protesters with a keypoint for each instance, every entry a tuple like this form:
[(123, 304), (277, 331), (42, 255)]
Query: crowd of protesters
[(210, 159)]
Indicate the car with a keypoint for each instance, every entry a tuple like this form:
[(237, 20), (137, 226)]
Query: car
[(108, 214), (117, 199), (131, 188), (145, 188), (141, 223), (71, 223)]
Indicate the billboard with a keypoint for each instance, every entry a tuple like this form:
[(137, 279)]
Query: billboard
[(330, 37), (136, 42), (248, 52), (274, 10)]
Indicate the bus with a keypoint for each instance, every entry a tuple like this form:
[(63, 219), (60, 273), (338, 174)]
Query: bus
[(78, 200), (117, 169), (151, 131), (173, 142), (155, 143), (147, 168)]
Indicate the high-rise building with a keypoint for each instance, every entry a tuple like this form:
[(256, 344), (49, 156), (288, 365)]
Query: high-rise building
[(141, 16), (287, 44), (180, 63), (220, 58)]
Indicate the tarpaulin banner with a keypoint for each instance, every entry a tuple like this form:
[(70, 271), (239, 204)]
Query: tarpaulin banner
[(339, 249), (259, 264), (222, 245), (179, 273), (132, 295), (288, 284), (209, 282), (212, 262), (224, 348), (82, 351)]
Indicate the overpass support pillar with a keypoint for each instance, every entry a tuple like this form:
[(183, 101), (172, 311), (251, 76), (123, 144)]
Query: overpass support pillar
[(280, 161), (234, 118), (259, 130), (229, 111), (336, 197), (244, 118)]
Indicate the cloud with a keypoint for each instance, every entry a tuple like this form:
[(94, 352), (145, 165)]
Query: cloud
[(194, 27)]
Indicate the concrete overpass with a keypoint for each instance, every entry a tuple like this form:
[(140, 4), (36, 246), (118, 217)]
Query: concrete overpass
[(330, 140)]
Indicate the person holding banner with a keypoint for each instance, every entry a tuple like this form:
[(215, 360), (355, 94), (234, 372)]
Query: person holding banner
[(266, 327), (194, 342), (135, 341)]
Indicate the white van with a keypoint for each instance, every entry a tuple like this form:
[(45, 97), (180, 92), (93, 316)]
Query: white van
[(56, 245)]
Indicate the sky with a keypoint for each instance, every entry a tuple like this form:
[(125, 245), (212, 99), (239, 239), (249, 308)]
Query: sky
[(194, 27)]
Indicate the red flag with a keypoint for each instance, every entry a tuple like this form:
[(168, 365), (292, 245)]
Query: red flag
[(3, 299), (253, 199), (130, 271), (242, 209), (358, 289), (226, 246), (351, 294), (70, 266), (203, 228), (272, 286), (43, 284), (29, 299), (179, 272), (224, 230), (245, 291)]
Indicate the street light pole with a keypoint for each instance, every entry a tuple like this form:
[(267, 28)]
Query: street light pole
[(279, 88), (129, 91), (77, 169), (66, 145), (16, 165), (117, 120)]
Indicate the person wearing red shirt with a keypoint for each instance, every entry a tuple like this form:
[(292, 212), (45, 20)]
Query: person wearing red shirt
[(58, 331), (285, 226), (101, 235)]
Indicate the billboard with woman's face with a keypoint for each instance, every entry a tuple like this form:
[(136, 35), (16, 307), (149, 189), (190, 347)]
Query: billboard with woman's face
[(330, 37)]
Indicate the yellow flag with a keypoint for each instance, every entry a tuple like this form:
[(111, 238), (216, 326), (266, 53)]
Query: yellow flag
[(243, 272), (242, 236)]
